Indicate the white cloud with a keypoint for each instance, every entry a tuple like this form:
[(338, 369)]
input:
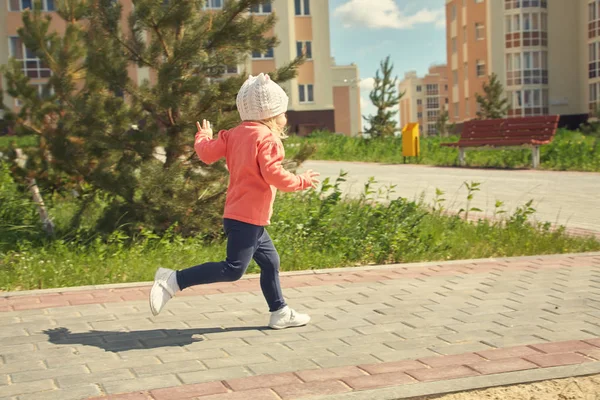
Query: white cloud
[(381, 14), (367, 84)]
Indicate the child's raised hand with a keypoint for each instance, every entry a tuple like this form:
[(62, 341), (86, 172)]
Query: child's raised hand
[(205, 128), (312, 177)]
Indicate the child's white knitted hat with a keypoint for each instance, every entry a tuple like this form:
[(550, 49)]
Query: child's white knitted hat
[(260, 98)]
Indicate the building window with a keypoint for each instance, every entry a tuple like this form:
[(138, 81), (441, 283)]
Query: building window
[(466, 71), (213, 4), (265, 8), (306, 93), (20, 5), (465, 34), (419, 115), (33, 67), (453, 12), (480, 68), (232, 69), (467, 107), (433, 115), (418, 88), (432, 89), (456, 110), (433, 102), (431, 129), (594, 60), (593, 103), (529, 102), (304, 48), (454, 45), (455, 77), (302, 7), (479, 31), (269, 54), (419, 102), (515, 4)]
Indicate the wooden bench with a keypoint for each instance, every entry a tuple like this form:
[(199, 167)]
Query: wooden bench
[(525, 132)]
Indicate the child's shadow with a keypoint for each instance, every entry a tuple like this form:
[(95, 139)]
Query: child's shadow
[(123, 341)]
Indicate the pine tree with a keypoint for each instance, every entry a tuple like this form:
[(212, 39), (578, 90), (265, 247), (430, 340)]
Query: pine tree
[(385, 97), (493, 104), (99, 129), (442, 125)]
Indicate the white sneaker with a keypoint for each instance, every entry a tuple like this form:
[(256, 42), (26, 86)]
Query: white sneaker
[(287, 318), (165, 286)]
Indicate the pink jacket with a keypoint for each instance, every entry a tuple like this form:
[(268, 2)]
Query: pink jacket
[(253, 155)]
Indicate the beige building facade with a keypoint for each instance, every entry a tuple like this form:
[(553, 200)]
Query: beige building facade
[(545, 53), (317, 100), (424, 98)]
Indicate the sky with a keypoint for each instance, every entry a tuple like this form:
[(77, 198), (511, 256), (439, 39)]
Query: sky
[(365, 32)]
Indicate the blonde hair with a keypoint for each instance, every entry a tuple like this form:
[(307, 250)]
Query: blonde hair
[(278, 131)]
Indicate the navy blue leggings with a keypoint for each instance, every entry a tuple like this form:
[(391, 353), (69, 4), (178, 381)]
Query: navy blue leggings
[(244, 242)]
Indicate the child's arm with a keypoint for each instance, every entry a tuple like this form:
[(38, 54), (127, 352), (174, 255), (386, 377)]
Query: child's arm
[(270, 156), (207, 149)]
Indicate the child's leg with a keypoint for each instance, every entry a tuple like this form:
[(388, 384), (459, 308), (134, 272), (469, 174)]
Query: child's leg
[(267, 258), (242, 241)]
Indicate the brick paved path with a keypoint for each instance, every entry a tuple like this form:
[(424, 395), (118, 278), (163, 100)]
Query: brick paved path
[(421, 328)]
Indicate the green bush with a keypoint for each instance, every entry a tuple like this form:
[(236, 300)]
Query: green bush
[(312, 229), (568, 151)]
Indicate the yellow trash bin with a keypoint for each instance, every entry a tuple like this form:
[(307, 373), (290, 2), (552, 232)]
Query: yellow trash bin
[(410, 140)]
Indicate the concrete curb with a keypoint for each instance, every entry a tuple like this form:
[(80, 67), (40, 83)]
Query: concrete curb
[(315, 272), (417, 390)]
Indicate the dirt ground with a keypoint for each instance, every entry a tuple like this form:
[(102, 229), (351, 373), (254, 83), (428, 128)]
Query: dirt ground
[(583, 388)]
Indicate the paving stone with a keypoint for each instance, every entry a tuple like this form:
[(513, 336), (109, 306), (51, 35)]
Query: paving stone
[(508, 353), (21, 366), (339, 361), (211, 375), (330, 374), (379, 381), (555, 360), (26, 388), (231, 361), (502, 366), (461, 348), (441, 373), (74, 393), (290, 365), (105, 365), (296, 391), (563, 347), (445, 361), (148, 383), (254, 394), (92, 378), (30, 376), (169, 368), (263, 381), (188, 391)]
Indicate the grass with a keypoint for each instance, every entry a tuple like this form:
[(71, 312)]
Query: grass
[(314, 229), (18, 141), (569, 151)]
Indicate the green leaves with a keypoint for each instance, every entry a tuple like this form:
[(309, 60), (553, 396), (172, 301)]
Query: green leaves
[(385, 97), (493, 104)]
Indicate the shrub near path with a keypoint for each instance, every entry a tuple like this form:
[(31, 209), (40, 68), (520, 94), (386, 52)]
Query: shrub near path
[(312, 230), (569, 151)]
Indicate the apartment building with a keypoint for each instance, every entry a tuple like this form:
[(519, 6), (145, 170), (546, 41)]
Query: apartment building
[(545, 53), (424, 98), (302, 27)]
